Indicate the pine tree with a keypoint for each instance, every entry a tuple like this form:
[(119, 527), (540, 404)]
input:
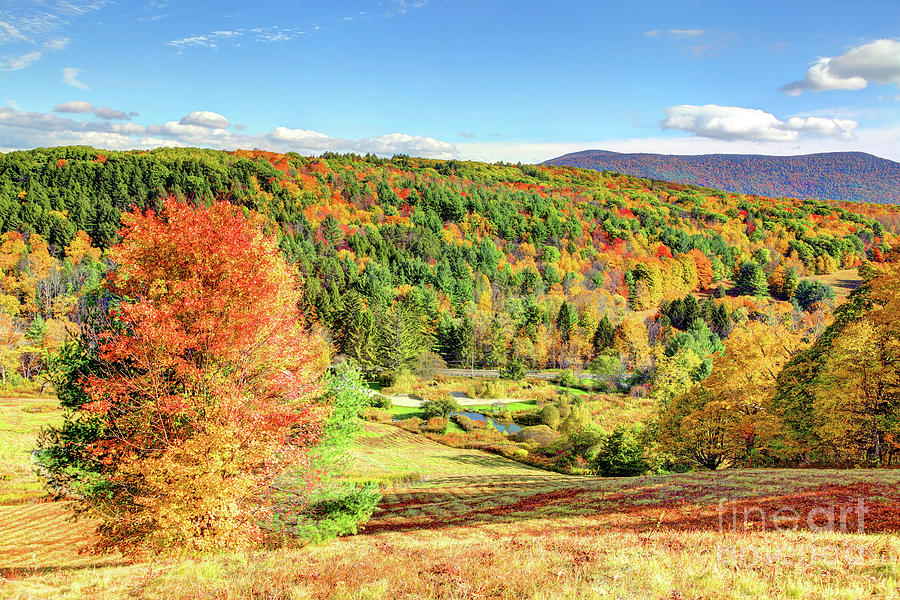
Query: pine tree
[(400, 336), (565, 321), (604, 336), (355, 331), (752, 280)]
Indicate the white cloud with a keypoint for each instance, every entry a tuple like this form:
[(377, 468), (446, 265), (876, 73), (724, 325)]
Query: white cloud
[(305, 138), (111, 115), (205, 118), (738, 123), (17, 63), (675, 33), (842, 128), (213, 39), (200, 128), (267, 34), (401, 143), (57, 44), (33, 27), (209, 40), (81, 107), (685, 33), (70, 77), (20, 129), (74, 106), (10, 33), (875, 62)]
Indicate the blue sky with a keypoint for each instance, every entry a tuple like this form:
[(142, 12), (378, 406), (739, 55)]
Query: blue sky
[(517, 81)]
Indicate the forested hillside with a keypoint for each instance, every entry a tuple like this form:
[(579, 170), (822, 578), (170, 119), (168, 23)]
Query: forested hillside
[(846, 176), (482, 263), (408, 264)]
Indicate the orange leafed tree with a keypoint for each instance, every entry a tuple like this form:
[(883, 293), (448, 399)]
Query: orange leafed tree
[(202, 390)]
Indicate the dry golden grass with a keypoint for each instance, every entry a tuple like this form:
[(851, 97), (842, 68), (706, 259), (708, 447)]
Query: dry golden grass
[(474, 525), (843, 282)]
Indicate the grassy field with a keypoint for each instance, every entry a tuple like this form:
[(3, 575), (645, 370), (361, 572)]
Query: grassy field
[(460, 523), (842, 281), (20, 420)]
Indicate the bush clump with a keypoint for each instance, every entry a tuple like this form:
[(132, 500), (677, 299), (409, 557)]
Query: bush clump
[(413, 424), (402, 382), (435, 425), (334, 512), (566, 378), (539, 435), (376, 415), (550, 416), (621, 454), (441, 407)]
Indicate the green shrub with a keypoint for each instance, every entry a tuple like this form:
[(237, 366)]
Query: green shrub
[(621, 454), (810, 292), (550, 416), (528, 418), (490, 389), (332, 513), (442, 407), (380, 401), (402, 382)]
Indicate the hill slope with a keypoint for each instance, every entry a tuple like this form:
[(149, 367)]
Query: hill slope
[(479, 526), (482, 264), (848, 176)]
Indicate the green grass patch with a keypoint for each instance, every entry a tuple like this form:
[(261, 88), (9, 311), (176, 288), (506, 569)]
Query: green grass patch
[(574, 391), (405, 412)]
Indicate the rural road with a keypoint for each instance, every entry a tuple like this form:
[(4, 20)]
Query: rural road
[(496, 373)]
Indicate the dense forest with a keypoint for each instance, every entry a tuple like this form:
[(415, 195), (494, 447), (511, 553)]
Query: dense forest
[(408, 263), (849, 176)]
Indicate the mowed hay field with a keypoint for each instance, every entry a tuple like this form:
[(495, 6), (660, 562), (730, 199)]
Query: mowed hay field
[(460, 523)]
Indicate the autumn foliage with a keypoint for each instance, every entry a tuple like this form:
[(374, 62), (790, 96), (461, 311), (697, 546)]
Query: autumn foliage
[(198, 394)]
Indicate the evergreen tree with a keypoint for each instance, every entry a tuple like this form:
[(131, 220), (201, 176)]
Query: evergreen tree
[(355, 331), (604, 336), (565, 321), (401, 336), (36, 329), (752, 280)]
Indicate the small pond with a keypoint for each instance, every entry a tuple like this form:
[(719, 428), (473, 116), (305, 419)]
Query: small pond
[(499, 426)]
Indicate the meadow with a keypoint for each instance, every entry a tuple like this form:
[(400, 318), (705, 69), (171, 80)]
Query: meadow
[(461, 523)]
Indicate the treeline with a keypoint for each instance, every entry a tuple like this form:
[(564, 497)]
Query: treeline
[(401, 258), (780, 396)]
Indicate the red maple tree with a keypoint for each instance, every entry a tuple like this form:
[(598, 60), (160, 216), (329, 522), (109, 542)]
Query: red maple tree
[(208, 386)]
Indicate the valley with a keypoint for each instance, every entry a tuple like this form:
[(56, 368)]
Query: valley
[(459, 523)]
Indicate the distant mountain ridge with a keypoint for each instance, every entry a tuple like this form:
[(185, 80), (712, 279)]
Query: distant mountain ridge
[(851, 176)]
